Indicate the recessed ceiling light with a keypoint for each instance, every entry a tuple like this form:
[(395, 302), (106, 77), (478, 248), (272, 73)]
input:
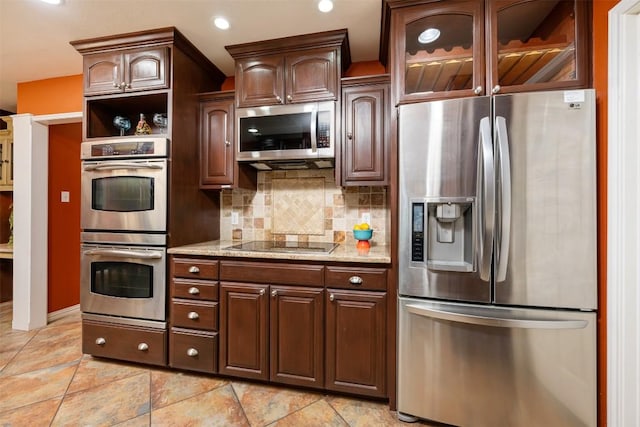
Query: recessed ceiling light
[(52, 1), (325, 6), (429, 35), (221, 23)]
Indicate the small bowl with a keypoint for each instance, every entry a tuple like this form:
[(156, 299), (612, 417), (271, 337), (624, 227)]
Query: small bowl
[(362, 234)]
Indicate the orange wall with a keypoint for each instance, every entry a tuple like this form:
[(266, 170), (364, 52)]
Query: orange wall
[(50, 96), (64, 218), (600, 63)]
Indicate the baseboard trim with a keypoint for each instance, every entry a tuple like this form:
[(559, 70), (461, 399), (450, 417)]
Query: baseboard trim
[(61, 313)]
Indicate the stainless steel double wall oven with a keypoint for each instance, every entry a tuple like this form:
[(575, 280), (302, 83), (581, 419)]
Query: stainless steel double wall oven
[(124, 227)]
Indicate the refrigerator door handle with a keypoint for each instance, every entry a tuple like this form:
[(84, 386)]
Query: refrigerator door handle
[(486, 199), (503, 232), (499, 322)]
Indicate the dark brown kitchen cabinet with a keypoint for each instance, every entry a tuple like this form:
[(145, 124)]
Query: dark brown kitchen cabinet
[(244, 330), (290, 70), (355, 342), (465, 48), (218, 168), (365, 124), (193, 337), (297, 336), (127, 70)]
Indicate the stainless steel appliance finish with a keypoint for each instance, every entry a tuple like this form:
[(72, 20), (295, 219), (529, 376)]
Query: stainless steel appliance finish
[(123, 279), (121, 190), (290, 247), (496, 366), (497, 215), (286, 132)]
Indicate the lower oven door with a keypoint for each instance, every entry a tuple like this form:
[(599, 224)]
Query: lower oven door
[(126, 195), (123, 281)]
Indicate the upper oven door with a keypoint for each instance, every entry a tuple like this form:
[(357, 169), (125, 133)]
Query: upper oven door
[(124, 195)]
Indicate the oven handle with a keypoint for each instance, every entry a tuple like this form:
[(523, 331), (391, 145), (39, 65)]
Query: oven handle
[(121, 253), (122, 165)]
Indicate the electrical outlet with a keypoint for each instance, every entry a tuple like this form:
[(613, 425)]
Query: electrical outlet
[(234, 218), (366, 217), (64, 196)]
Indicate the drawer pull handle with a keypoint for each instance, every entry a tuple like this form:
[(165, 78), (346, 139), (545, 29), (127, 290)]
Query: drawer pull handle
[(331, 297), (274, 293), (101, 341), (194, 269), (192, 352), (194, 291), (193, 315), (143, 346), (355, 280)]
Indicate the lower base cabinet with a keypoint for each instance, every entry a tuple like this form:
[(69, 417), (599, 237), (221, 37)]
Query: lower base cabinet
[(193, 350), (124, 342), (355, 340)]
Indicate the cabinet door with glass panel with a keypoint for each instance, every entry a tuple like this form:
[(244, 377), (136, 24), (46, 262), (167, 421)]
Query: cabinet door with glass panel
[(537, 45), (6, 154), (438, 50)]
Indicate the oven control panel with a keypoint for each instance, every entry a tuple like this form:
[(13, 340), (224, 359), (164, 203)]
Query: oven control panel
[(121, 147)]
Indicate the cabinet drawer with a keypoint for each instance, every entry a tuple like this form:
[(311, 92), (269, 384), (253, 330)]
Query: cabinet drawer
[(132, 343), (356, 277), (192, 314), (266, 272), (194, 289), (195, 268), (193, 350)]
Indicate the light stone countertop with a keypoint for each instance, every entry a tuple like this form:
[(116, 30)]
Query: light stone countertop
[(343, 253)]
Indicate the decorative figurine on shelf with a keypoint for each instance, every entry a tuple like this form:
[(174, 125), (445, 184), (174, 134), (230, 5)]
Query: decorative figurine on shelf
[(143, 127), (160, 120), (122, 123)]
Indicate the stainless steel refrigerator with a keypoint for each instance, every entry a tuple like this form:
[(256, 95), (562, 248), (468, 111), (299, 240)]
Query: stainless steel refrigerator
[(497, 260)]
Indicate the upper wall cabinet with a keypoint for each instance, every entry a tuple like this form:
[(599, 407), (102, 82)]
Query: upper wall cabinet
[(128, 70), (292, 69), (464, 48)]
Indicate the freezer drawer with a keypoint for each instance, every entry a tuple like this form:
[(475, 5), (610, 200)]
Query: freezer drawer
[(470, 365)]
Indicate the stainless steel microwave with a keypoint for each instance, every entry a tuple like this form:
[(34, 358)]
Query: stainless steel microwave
[(292, 132)]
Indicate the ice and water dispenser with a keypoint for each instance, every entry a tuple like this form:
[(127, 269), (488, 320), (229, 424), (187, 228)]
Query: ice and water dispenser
[(443, 232)]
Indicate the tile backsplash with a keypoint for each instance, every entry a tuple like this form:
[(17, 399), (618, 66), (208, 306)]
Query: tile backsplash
[(304, 206)]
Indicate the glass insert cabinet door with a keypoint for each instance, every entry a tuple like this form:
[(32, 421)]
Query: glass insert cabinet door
[(537, 44), (438, 50), (452, 49)]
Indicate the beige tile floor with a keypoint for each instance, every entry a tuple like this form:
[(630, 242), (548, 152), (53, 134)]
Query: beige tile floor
[(45, 380)]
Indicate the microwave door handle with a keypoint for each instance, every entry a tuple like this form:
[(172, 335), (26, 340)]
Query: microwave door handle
[(122, 165), (122, 253), (314, 127)]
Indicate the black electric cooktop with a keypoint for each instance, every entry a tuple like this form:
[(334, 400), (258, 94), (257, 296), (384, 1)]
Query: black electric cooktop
[(267, 246)]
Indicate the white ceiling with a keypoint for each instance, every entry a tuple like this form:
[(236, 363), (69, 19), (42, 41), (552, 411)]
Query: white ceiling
[(35, 36)]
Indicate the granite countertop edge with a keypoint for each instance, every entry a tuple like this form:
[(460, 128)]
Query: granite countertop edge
[(378, 254)]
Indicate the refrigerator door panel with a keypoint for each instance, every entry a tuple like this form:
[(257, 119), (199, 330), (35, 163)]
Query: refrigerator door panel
[(442, 209), (549, 256), (469, 365)]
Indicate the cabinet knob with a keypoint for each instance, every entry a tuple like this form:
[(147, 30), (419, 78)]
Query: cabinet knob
[(101, 341), (262, 291), (227, 143), (115, 84), (274, 293), (143, 346), (331, 297), (128, 86), (478, 90), (123, 85), (349, 135), (192, 352), (194, 291), (193, 269), (496, 89), (289, 98), (279, 99), (355, 280), (193, 315)]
